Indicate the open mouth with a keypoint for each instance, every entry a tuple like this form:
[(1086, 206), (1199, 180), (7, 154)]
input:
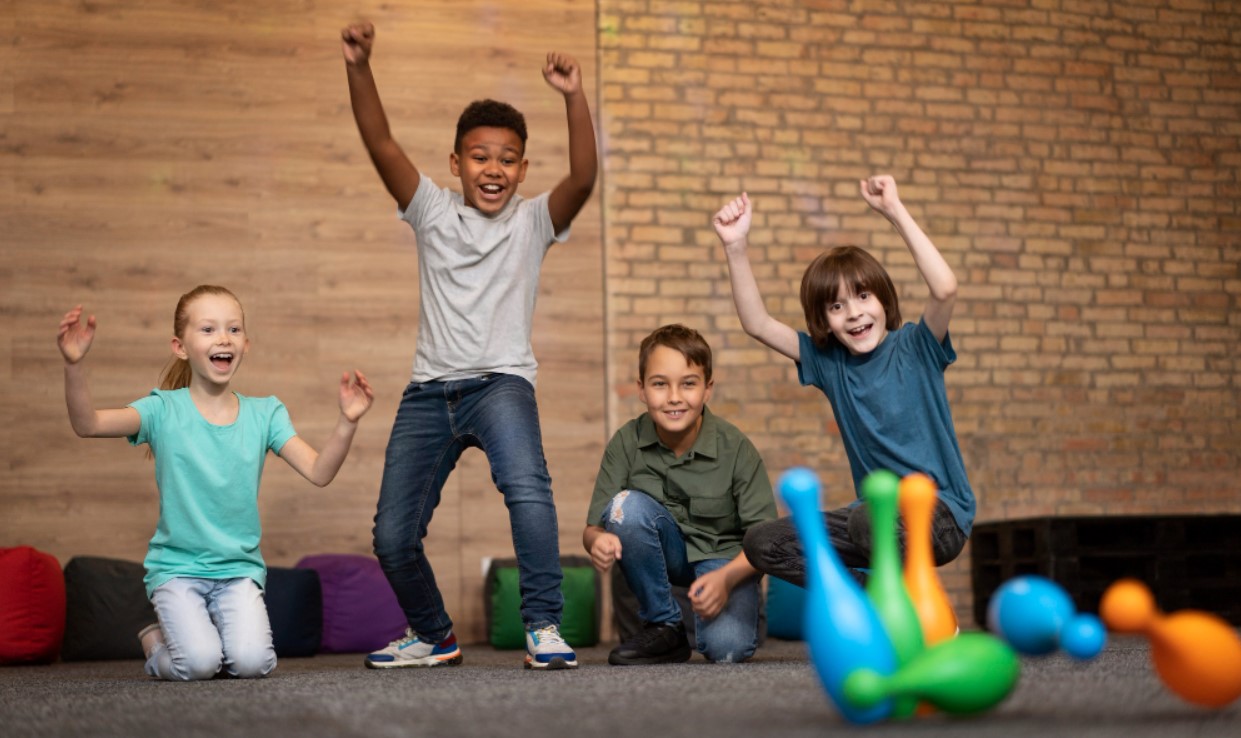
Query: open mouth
[(221, 361), (491, 190), (861, 331)]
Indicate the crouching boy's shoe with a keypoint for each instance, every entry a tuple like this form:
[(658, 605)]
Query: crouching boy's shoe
[(410, 650), (545, 649), (656, 643)]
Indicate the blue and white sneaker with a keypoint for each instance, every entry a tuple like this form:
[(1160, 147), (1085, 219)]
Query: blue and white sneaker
[(410, 650), (545, 649)]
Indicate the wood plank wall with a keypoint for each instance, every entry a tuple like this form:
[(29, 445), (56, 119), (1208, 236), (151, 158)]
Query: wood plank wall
[(149, 147)]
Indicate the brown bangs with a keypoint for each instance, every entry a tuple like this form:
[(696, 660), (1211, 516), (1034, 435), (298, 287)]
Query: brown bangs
[(844, 265)]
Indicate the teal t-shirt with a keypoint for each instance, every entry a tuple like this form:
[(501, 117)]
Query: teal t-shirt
[(208, 479), (892, 410)]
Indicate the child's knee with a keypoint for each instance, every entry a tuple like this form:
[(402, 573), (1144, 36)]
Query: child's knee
[(253, 663), (628, 510), (195, 663), (729, 648)]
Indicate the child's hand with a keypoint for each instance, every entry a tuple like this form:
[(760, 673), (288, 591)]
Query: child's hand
[(356, 41), (732, 222), (73, 337), (880, 193), (605, 551), (708, 594), (356, 396), (562, 72)]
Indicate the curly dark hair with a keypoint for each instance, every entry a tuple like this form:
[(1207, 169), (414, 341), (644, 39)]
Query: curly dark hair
[(490, 114)]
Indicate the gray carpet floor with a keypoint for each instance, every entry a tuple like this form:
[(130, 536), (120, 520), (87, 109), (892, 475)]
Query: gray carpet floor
[(775, 694)]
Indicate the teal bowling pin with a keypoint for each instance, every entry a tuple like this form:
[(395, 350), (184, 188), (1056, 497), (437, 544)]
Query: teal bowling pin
[(886, 585), (842, 630), (961, 676)]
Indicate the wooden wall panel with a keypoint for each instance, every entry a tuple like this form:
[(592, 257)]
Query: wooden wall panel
[(146, 148)]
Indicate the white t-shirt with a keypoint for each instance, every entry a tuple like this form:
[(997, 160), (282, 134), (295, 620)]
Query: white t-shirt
[(478, 277)]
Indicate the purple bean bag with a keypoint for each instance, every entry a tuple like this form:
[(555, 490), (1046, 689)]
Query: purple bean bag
[(360, 612)]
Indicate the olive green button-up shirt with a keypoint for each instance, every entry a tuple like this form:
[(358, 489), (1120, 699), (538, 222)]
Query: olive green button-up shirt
[(715, 491)]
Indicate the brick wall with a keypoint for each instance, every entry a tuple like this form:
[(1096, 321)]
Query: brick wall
[(1077, 164)]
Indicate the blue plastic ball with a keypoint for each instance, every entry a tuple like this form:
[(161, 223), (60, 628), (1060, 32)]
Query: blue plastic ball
[(1083, 637), (1029, 612)]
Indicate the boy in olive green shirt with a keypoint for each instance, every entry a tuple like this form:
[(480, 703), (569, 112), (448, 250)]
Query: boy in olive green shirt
[(676, 491)]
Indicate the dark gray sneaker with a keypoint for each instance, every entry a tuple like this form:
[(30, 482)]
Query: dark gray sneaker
[(656, 643)]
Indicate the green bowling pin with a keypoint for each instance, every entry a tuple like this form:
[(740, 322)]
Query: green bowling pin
[(886, 585), (967, 674)]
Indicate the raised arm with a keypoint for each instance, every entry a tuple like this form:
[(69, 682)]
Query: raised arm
[(395, 169), (320, 467), (732, 225), (564, 74), (74, 339), (880, 193)]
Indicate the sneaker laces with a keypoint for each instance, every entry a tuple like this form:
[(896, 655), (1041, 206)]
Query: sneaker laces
[(549, 634)]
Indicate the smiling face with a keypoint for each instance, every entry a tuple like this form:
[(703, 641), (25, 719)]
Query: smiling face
[(857, 320), (214, 340), (674, 392), (490, 166)]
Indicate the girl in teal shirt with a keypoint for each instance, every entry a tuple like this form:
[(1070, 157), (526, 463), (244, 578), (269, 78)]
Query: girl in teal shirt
[(204, 572)]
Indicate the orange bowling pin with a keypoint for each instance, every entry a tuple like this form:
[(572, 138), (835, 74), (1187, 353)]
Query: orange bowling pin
[(1196, 654), (917, 502)]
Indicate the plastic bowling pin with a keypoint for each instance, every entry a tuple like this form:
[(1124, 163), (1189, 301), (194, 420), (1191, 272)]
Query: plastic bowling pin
[(964, 675), (1197, 655), (886, 586), (918, 496), (842, 629)]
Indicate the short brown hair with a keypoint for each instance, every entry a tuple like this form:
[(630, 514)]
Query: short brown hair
[(687, 341), (820, 287)]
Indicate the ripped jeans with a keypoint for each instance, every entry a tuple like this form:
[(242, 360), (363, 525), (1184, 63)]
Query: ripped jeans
[(654, 557)]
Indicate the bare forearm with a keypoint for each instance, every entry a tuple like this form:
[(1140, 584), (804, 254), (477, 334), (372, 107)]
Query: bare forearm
[(939, 277), (755, 320), (737, 571), (332, 457), (78, 400), (590, 534), (368, 110), (583, 156)]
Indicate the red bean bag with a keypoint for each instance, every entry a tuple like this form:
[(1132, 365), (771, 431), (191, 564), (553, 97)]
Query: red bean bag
[(32, 606)]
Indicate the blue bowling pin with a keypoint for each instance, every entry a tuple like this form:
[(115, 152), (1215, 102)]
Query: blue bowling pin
[(842, 629)]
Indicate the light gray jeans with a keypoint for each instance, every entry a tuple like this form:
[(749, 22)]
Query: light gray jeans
[(209, 624)]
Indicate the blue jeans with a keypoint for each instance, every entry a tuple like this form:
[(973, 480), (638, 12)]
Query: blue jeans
[(653, 558), (435, 423), (209, 623)]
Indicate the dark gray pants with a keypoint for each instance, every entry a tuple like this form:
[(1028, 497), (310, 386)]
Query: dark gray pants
[(774, 548)]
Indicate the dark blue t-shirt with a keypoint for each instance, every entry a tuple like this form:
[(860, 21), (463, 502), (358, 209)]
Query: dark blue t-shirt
[(892, 410)]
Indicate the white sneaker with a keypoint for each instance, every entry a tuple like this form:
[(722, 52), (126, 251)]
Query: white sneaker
[(410, 650), (545, 649)]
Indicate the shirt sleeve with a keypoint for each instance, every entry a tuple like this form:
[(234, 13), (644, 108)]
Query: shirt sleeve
[(613, 475), (540, 216), (150, 412), (752, 487), (426, 198), (941, 353), (279, 426)]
